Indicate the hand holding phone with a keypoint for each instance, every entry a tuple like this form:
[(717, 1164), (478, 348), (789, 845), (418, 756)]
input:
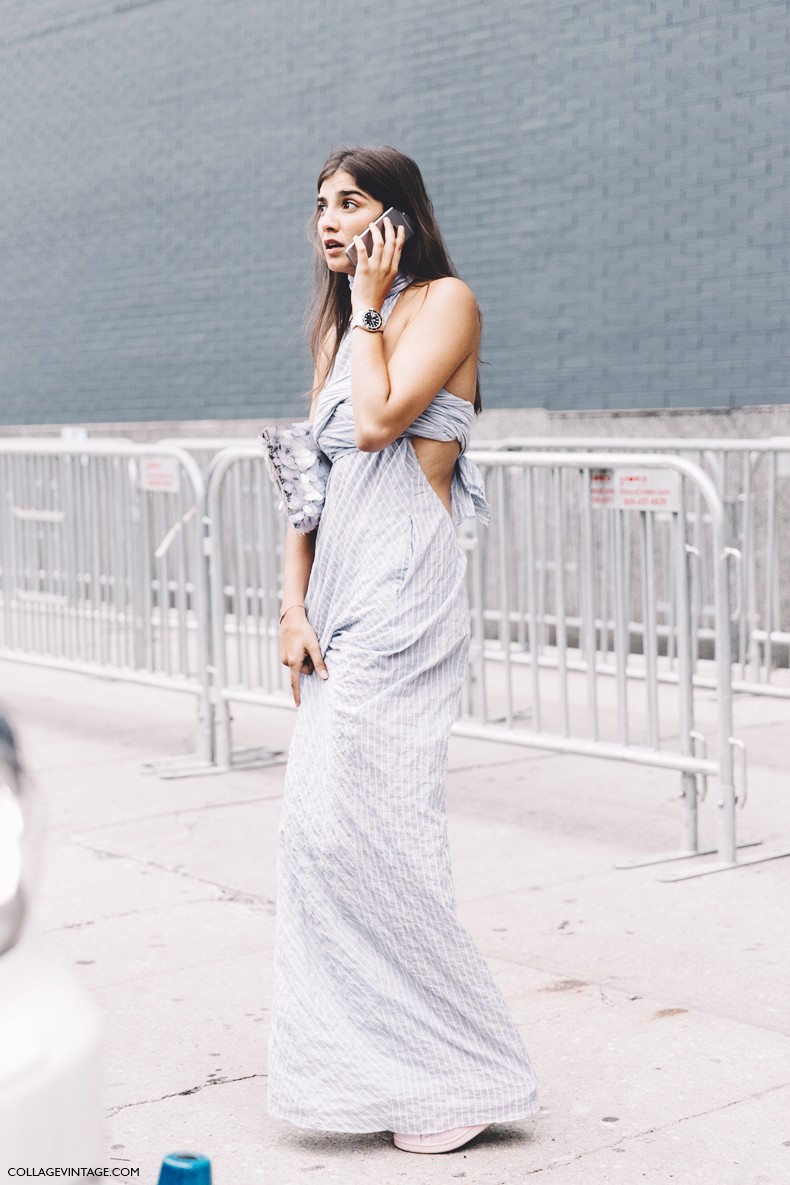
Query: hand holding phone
[(396, 218)]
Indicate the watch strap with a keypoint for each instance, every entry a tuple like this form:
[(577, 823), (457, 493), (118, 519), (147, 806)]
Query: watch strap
[(371, 320)]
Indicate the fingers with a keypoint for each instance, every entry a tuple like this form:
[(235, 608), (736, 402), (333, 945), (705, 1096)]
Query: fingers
[(382, 239), (299, 668), (390, 244), (385, 249), (295, 668), (310, 661), (375, 247), (315, 658), (362, 252), (393, 234), (398, 239), (296, 679)]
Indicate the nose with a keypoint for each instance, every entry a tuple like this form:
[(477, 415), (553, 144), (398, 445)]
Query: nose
[(326, 223)]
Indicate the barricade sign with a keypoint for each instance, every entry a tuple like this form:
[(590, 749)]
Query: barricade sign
[(636, 489), (159, 473)]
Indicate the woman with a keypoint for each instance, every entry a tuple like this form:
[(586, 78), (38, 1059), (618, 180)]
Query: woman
[(385, 1016)]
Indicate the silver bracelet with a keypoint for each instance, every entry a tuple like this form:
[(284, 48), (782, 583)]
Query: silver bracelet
[(290, 607)]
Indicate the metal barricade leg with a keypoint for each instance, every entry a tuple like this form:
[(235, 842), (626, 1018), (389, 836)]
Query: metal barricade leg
[(728, 844), (230, 581), (681, 596)]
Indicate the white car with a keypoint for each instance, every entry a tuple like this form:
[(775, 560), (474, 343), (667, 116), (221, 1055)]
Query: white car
[(51, 1072)]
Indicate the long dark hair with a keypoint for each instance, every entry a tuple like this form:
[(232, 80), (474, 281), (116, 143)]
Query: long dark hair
[(392, 178)]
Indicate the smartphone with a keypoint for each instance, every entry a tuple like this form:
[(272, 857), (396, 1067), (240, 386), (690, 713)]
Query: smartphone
[(396, 218)]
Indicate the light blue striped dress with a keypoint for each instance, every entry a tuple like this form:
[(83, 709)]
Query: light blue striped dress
[(385, 1016)]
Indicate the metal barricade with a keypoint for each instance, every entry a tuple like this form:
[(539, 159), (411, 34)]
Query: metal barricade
[(102, 566), (751, 476), (246, 541), (511, 678), (118, 559), (580, 508), (203, 449)]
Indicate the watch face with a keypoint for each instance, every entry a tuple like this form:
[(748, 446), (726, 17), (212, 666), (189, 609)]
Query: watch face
[(372, 319)]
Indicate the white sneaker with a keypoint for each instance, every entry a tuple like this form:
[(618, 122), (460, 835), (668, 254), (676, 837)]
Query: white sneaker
[(438, 1141)]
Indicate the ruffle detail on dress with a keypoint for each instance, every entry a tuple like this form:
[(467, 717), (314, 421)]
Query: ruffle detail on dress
[(469, 493), (299, 470)]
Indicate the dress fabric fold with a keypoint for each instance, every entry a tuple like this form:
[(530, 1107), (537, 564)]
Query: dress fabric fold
[(385, 1015)]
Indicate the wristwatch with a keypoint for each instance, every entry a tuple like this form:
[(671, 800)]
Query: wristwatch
[(370, 320)]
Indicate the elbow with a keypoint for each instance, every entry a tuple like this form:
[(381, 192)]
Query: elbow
[(370, 440), (369, 444)]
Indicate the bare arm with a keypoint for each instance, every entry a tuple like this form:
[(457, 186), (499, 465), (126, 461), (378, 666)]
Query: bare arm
[(297, 566), (388, 396)]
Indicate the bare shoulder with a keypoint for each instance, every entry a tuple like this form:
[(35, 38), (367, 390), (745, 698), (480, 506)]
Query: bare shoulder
[(449, 296), (440, 307), (450, 288)]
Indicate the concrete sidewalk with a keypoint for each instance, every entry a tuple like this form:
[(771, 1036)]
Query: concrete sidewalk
[(657, 1015)]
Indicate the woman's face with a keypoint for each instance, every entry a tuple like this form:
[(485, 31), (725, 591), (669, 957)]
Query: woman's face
[(344, 210)]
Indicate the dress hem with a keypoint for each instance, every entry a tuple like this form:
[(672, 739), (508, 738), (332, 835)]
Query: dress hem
[(499, 1116)]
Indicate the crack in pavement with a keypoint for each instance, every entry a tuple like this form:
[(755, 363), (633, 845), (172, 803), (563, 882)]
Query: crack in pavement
[(628, 993), (183, 810), (558, 1164), (179, 1093), (227, 891), (128, 913)]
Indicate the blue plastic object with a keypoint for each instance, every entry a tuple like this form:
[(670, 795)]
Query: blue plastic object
[(185, 1168)]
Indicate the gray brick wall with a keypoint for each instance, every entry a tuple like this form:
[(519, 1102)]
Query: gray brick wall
[(612, 178)]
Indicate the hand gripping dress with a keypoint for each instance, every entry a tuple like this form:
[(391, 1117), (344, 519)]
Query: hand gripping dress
[(385, 1016)]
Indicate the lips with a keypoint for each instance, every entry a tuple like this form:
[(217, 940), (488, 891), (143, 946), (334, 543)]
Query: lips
[(332, 243)]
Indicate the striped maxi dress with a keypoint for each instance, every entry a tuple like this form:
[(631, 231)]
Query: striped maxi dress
[(385, 1016)]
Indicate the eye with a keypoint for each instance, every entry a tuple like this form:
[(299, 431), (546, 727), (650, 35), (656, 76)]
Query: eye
[(353, 203)]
